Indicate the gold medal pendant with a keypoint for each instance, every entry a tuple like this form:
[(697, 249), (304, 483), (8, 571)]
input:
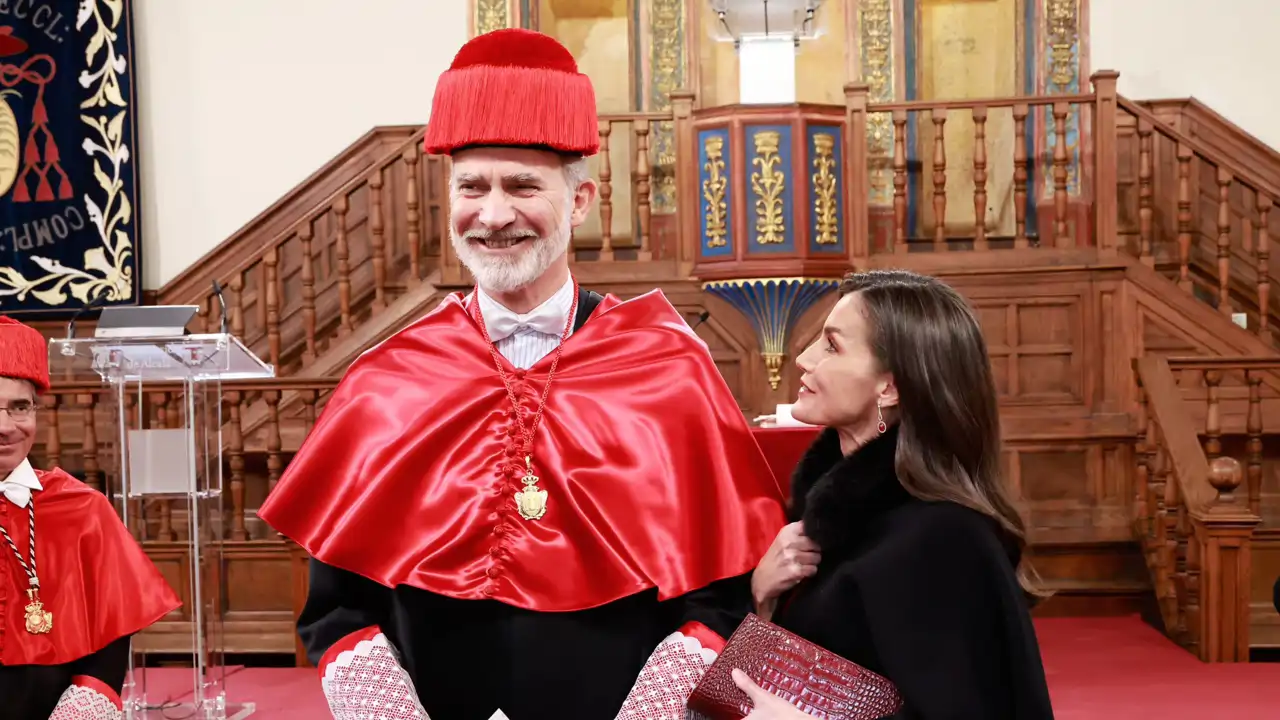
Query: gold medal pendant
[(531, 501), (39, 620)]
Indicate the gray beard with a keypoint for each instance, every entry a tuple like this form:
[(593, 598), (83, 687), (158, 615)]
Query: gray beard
[(501, 274)]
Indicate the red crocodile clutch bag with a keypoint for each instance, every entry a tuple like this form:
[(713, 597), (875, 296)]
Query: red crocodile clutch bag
[(814, 680)]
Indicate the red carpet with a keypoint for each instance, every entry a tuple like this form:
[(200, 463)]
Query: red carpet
[(1112, 668)]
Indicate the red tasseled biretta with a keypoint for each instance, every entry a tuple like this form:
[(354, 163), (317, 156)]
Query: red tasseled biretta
[(513, 87), (24, 354)]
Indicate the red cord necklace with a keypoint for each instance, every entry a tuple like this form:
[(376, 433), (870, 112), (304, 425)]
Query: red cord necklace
[(531, 501)]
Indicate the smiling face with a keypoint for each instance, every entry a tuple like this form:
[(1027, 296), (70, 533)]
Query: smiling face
[(17, 435), (842, 378), (512, 213)]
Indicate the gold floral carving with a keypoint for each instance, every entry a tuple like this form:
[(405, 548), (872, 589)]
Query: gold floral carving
[(824, 190), (106, 269), (714, 186), (768, 183), (876, 42), (1063, 35), (666, 58), (492, 15), (1062, 46)]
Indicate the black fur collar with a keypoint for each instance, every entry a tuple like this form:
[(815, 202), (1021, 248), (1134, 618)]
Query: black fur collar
[(836, 496)]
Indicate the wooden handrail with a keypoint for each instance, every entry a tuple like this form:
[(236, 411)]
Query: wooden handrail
[(1164, 401), (969, 104), (1197, 147)]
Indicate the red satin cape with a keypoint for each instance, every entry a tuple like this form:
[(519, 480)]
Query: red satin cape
[(94, 577), (652, 474)]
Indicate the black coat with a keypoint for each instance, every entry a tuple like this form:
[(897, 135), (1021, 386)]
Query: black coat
[(924, 593)]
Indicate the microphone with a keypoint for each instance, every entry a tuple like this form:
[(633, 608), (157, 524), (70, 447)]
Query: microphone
[(98, 300), (701, 319), (222, 303)]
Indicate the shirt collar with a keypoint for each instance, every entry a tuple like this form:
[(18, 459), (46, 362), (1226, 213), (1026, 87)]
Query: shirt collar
[(549, 318), (22, 481)]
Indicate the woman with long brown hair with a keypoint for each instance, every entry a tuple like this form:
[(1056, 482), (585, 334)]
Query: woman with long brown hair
[(904, 554)]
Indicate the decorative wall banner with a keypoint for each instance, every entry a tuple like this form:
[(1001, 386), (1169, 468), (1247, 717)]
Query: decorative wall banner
[(68, 156)]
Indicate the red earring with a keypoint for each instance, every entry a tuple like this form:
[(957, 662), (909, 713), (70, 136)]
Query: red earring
[(880, 426)]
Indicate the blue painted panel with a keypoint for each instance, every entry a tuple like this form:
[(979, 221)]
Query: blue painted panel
[(715, 168), (772, 305), (836, 180), (782, 163)]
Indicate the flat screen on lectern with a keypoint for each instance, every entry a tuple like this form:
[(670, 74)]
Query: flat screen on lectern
[(145, 321)]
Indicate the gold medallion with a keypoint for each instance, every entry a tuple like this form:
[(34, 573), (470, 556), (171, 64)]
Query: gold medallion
[(39, 620), (531, 501)]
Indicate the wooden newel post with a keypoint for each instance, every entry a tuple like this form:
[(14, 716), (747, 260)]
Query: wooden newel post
[(1105, 200), (1222, 535), (856, 219), (688, 199)]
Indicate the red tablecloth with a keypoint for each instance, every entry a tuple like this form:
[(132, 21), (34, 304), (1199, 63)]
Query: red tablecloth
[(783, 447)]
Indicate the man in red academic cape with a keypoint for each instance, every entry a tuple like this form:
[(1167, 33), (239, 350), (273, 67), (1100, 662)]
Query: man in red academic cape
[(524, 492), (74, 585)]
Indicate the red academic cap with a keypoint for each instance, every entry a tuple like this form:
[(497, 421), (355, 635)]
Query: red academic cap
[(24, 354), (514, 88)]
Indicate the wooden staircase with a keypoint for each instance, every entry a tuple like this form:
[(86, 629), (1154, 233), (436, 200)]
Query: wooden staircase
[(1126, 386)]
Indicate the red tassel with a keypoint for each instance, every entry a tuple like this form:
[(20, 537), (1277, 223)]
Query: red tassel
[(50, 149), (64, 188), (38, 115), (44, 193), (505, 105), (31, 155), (20, 192), (515, 47)]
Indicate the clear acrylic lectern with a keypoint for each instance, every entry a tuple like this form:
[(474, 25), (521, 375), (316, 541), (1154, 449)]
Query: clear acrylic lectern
[(180, 463)]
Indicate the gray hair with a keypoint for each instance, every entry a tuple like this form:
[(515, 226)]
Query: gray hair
[(576, 172)]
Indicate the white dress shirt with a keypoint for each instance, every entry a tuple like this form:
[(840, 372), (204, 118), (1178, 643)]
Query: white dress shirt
[(20, 484), (524, 339)]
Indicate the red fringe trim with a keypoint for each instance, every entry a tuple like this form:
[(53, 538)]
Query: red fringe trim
[(491, 105)]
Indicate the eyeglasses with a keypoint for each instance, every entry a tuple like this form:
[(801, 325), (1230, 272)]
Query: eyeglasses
[(21, 411)]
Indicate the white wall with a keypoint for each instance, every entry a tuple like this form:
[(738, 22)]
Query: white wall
[(1218, 52), (239, 100)]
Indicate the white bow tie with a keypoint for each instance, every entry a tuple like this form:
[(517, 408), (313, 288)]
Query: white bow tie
[(19, 495), (543, 319)]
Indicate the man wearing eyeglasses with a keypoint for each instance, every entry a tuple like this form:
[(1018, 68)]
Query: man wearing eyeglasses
[(74, 585)]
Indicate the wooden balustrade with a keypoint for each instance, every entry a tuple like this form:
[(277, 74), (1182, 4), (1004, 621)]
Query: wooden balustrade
[(1195, 532), (1201, 219)]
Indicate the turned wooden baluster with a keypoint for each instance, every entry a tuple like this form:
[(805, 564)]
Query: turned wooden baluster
[(308, 292), (1145, 450), (270, 262), (235, 455), (1163, 541), (53, 445), (343, 253), (939, 179), (1262, 251), (135, 418), (606, 194), (1181, 569), (1145, 192), (980, 178), (1253, 428), (641, 175), (89, 450), (412, 215), (165, 531), (309, 400), (1213, 415), (376, 241), (1060, 237), (1184, 217), (237, 305), (899, 181), (1020, 175), (1224, 241), (275, 463)]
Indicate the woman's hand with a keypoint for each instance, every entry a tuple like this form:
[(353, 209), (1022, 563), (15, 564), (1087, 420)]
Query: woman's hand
[(792, 558), (765, 705)]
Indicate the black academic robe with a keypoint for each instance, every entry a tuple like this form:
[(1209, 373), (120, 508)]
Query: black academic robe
[(30, 692), (468, 658), (923, 593)]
